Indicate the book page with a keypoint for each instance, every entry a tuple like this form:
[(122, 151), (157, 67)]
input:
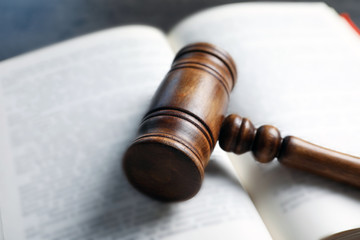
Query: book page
[(298, 69), (68, 113)]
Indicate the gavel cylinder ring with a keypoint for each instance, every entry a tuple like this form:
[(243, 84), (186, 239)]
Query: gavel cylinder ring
[(177, 135)]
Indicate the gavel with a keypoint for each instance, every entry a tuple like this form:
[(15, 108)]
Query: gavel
[(167, 159)]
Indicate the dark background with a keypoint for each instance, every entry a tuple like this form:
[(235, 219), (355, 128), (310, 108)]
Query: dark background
[(29, 24)]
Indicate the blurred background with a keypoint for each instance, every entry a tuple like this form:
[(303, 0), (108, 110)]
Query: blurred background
[(26, 25)]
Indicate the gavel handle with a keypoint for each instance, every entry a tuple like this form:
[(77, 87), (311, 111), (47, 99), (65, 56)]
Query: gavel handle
[(238, 135)]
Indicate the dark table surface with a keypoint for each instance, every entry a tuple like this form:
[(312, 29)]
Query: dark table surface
[(26, 25)]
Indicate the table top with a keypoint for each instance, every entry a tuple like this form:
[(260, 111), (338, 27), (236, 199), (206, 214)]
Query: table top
[(26, 25)]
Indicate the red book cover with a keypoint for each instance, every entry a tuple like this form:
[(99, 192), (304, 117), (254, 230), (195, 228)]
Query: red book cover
[(346, 16)]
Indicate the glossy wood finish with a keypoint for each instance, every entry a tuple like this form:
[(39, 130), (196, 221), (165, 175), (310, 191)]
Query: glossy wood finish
[(178, 134), (238, 135), (300, 154)]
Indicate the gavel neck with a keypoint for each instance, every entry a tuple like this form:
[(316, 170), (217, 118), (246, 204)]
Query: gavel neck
[(239, 135)]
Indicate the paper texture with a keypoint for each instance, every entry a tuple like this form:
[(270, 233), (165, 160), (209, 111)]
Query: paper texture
[(70, 111)]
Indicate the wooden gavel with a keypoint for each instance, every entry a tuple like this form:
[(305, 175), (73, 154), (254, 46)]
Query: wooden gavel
[(187, 117)]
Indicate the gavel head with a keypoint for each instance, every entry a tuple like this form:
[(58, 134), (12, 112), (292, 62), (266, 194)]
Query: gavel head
[(177, 135)]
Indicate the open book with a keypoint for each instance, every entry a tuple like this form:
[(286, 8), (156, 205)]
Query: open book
[(68, 112)]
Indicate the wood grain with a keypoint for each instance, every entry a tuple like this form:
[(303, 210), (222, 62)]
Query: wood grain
[(177, 135)]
